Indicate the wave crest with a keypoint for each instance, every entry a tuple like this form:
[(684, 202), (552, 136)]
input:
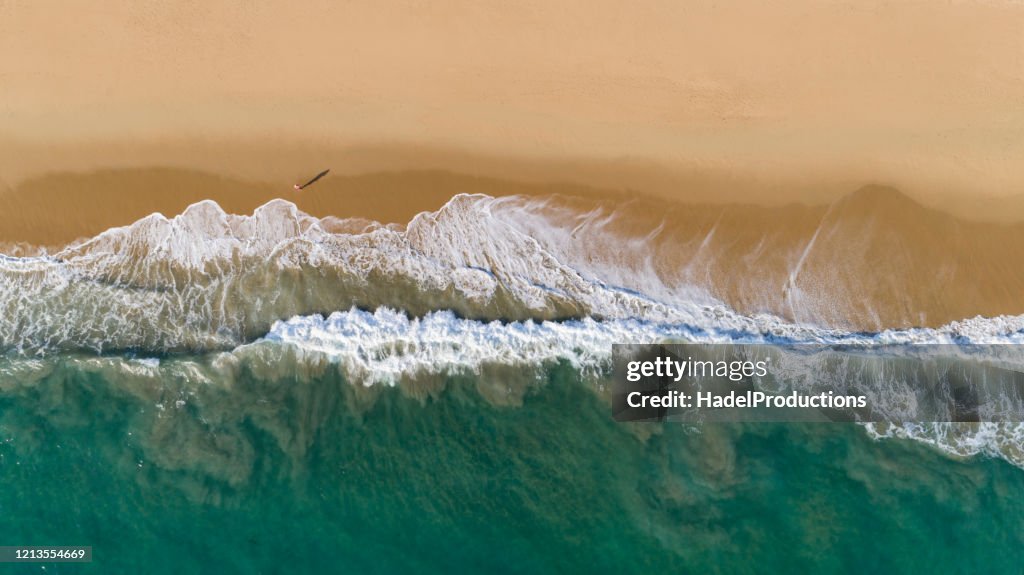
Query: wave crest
[(207, 280)]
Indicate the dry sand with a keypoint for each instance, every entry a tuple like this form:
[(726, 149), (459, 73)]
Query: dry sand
[(925, 96)]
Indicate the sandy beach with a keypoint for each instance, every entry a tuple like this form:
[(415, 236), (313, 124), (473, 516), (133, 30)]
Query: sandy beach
[(802, 100), (56, 193), (870, 260), (811, 210), (754, 128)]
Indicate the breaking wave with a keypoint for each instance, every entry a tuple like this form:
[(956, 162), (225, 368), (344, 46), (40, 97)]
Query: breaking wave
[(206, 280), (481, 283)]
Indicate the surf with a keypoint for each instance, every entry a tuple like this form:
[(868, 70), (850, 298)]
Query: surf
[(483, 283), (208, 280)]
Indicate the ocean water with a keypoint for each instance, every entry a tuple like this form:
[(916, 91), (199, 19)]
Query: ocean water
[(280, 394), (312, 475)]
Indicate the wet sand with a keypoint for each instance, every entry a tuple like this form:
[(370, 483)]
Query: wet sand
[(872, 259), (56, 209)]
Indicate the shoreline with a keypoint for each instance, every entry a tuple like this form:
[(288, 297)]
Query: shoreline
[(57, 209), (267, 166), (892, 262)]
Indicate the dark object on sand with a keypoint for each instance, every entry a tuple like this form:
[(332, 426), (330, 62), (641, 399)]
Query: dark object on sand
[(315, 178)]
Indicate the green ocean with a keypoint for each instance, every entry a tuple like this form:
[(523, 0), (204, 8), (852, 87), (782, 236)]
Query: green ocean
[(277, 393), (308, 473)]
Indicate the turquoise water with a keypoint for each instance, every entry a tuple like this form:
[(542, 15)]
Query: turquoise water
[(310, 474)]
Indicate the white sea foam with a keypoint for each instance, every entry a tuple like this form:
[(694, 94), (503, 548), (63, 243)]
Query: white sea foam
[(995, 439), (387, 347), (207, 281)]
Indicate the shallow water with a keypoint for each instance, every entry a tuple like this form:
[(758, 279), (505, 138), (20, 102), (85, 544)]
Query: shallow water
[(280, 394), (312, 474)]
